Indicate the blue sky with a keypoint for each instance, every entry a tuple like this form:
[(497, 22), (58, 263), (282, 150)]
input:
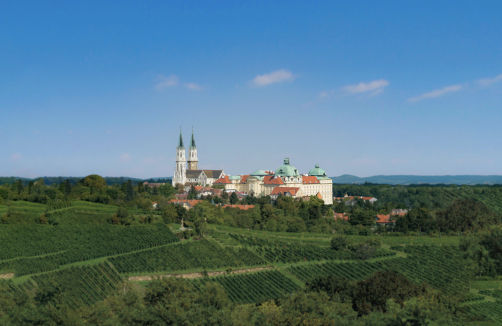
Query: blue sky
[(359, 87)]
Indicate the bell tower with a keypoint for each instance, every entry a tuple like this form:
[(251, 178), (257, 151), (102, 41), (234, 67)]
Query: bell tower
[(193, 161), (180, 172)]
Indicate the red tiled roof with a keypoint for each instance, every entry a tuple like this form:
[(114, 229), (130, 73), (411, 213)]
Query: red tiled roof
[(198, 188), (181, 196), (224, 180), (319, 195), (191, 202), (343, 216), (244, 178), (383, 219), (309, 180), (270, 180), (352, 197), (243, 207), (283, 190), (216, 191)]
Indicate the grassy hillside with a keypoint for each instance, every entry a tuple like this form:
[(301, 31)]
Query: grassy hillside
[(86, 255)]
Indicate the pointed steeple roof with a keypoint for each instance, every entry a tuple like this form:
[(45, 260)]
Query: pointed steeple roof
[(180, 142), (192, 142)]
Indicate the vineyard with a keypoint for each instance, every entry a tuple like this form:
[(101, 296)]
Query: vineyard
[(485, 310), (185, 256), (277, 251), (250, 288), (82, 285), (65, 244), (441, 267), (352, 271)]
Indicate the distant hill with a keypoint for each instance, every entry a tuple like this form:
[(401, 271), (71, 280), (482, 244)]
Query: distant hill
[(73, 180), (422, 179)]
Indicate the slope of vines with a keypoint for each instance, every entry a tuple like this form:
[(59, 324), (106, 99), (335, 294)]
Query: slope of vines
[(65, 244), (250, 288), (82, 286), (184, 256)]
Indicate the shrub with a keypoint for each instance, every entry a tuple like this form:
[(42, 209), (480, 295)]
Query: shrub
[(365, 232), (339, 242)]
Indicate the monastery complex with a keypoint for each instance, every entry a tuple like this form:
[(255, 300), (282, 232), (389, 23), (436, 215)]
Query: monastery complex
[(285, 180)]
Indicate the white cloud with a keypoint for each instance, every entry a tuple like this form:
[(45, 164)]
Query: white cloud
[(16, 157), (193, 86), (375, 85), (166, 82), (125, 158), (436, 93), (489, 81), (277, 76)]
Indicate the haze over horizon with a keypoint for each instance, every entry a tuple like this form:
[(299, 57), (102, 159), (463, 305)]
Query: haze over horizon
[(360, 88)]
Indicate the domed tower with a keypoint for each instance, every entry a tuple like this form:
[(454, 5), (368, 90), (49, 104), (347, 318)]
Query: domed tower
[(287, 170), (193, 161), (317, 172), (180, 172)]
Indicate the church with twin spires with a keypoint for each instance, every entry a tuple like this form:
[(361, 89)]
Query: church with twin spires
[(285, 180), (187, 170)]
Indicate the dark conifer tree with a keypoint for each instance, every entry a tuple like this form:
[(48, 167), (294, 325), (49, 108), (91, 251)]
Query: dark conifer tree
[(19, 186), (67, 187), (233, 198), (129, 190)]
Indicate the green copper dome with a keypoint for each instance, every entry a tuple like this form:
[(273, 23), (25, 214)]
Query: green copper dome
[(317, 171), (234, 177), (259, 173), (286, 170)]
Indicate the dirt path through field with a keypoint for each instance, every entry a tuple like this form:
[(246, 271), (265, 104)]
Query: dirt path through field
[(196, 275)]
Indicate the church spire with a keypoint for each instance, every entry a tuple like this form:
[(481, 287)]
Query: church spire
[(180, 142), (192, 143)]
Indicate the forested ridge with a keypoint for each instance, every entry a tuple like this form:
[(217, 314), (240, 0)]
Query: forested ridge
[(86, 252)]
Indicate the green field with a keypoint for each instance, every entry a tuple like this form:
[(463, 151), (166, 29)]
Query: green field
[(88, 257)]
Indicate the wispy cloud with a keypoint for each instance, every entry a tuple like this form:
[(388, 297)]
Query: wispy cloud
[(124, 158), (277, 76), (16, 157), (436, 93), (375, 85), (489, 81), (166, 82), (193, 86)]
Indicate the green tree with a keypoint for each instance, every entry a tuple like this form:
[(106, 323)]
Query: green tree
[(129, 191), (20, 186), (467, 214), (30, 187), (140, 187), (362, 217), (192, 193), (339, 242), (224, 197), (234, 199)]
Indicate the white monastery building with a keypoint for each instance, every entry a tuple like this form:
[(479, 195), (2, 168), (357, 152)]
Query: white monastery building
[(286, 180)]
